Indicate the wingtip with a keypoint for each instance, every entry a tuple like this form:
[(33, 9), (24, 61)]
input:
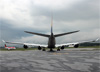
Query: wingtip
[(25, 31), (78, 30), (3, 41), (97, 39)]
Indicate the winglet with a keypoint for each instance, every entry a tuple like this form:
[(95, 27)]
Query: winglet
[(3, 41), (95, 40)]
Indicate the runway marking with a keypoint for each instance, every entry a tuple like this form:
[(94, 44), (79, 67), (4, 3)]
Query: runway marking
[(59, 53), (66, 53)]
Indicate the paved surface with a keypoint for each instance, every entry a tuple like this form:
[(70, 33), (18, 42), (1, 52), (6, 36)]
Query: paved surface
[(70, 60)]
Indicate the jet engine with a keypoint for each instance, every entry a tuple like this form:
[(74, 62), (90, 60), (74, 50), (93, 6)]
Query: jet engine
[(39, 48), (25, 46), (76, 46), (62, 47)]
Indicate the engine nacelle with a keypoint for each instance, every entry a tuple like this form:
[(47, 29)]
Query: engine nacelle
[(39, 48), (62, 47), (76, 46), (25, 46)]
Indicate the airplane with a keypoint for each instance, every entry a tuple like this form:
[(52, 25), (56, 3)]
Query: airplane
[(9, 48), (51, 41)]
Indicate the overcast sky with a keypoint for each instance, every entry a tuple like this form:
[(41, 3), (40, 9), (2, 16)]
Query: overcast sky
[(17, 16)]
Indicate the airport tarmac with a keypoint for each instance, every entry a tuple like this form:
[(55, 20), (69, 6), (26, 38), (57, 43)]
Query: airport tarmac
[(68, 60)]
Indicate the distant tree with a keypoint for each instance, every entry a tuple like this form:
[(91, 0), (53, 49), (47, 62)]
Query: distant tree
[(90, 44)]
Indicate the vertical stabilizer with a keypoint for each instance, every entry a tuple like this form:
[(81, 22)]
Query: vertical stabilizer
[(51, 24), (5, 46)]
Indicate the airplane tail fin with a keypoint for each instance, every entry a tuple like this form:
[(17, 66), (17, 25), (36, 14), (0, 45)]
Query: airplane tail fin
[(5, 45), (52, 24)]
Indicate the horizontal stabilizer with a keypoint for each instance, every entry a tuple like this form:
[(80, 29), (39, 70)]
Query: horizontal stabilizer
[(57, 35), (38, 34)]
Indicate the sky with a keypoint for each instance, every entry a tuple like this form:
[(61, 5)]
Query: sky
[(17, 16)]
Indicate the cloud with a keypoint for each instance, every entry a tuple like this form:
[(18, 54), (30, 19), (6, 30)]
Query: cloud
[(17, 16), (55, 6), (86, 10)]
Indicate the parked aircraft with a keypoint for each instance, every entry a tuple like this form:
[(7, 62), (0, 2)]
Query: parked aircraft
[(9, 48)]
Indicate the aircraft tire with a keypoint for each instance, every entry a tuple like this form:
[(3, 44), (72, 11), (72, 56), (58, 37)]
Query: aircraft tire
[(43, 49), (58, 49), (51, 50)]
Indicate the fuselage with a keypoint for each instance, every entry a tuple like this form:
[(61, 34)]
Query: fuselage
[(51, 41)]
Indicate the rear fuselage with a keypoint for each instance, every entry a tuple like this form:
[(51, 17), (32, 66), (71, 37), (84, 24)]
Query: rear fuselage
[(51, 41)]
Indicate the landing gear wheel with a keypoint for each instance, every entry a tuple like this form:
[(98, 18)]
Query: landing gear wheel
[(39, 48), (51, 50), (58, 49), (43, 49)]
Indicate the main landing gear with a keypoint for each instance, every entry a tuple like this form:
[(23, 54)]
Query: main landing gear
[(43, 49), (51, 49), (58, 49)]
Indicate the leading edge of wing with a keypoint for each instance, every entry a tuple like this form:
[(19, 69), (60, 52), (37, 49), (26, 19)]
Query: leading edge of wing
[(29, 44), (74, 43), (57, 35), (38, 34)]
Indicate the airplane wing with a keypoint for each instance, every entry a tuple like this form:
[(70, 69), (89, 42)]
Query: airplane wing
[(28, 44), (75, 44), (31, 44)]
